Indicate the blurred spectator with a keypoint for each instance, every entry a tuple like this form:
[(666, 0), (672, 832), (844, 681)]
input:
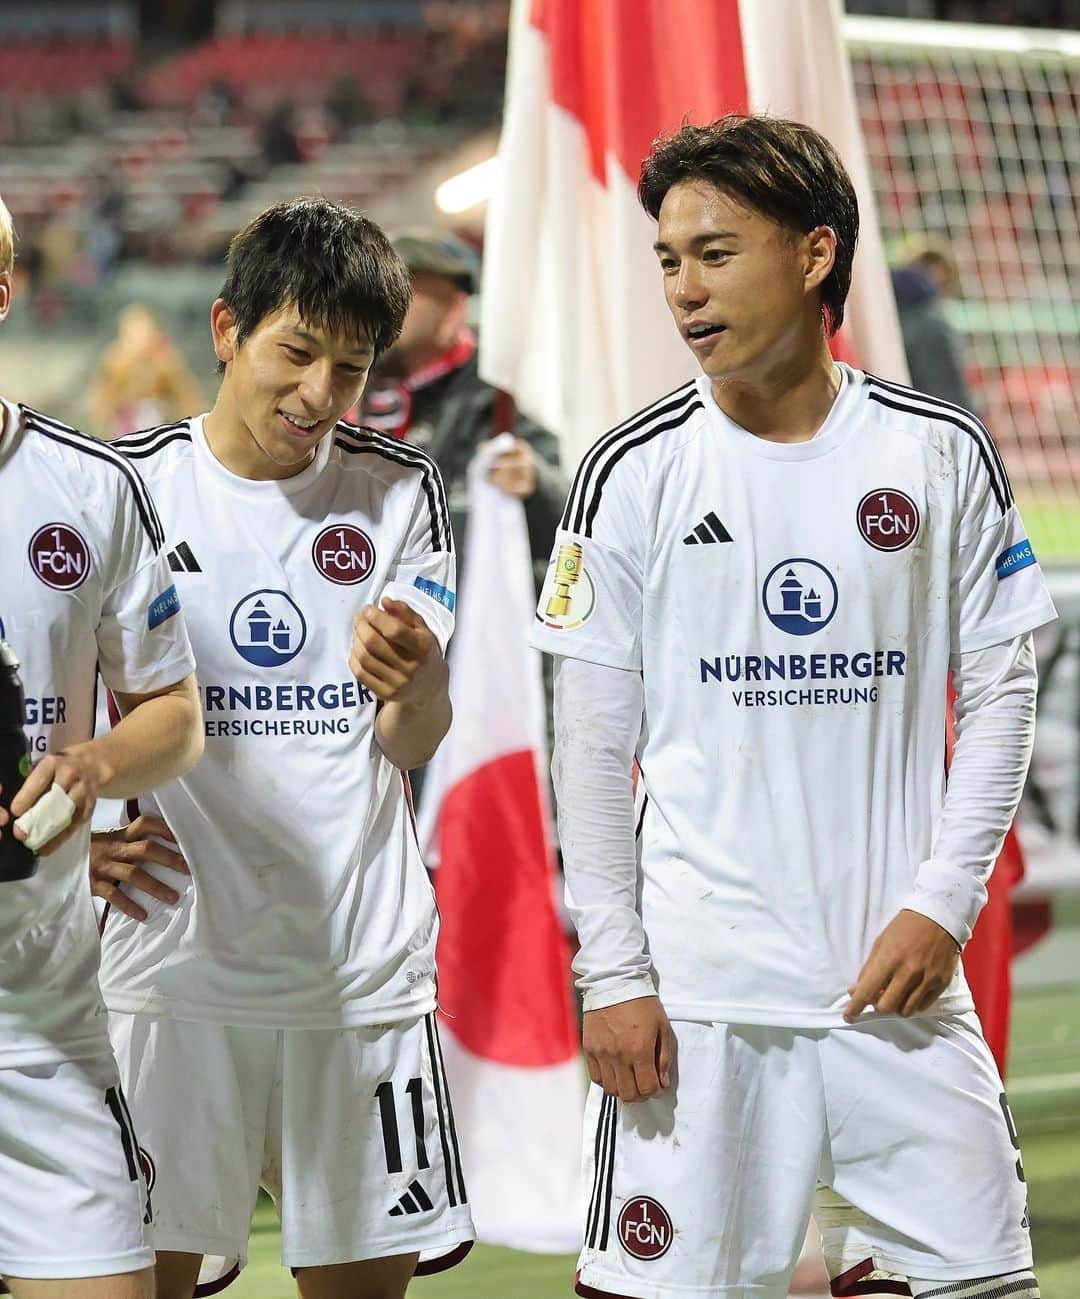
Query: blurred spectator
[(428, 390), (102, 241), (215, 104), (142, 380), (931, 345), (347, 104), (124, 96), (59, 245), (277, 137)]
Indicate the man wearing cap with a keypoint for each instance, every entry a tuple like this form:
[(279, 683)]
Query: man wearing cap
[(428, 390)]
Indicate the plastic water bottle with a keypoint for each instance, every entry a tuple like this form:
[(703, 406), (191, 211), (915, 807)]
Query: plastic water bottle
[(17, 862)]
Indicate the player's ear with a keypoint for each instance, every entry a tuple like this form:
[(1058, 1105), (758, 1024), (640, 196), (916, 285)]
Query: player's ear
[(820, 255), (5, 293), (223, 327)]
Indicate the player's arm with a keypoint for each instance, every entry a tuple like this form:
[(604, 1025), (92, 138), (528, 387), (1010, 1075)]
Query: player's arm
[(914, 958), (397, 657), (626, 1035), (159, 738)]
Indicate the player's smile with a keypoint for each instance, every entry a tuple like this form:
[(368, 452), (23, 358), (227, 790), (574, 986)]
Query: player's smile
[(297, 426)]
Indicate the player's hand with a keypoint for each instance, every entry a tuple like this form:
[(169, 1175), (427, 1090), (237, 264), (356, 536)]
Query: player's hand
[(78, 773), (514, 471), (909, 967), (395, 655), (628, 1048), (117, 857)]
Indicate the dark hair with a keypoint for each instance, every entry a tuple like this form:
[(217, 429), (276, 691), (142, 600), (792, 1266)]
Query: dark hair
[(786, 171), (337, 267)]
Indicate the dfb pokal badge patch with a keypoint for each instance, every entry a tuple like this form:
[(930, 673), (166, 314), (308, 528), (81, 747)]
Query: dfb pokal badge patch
[(59, 556), (888, 519), (568, 597), (343, 554), (645, 1229)]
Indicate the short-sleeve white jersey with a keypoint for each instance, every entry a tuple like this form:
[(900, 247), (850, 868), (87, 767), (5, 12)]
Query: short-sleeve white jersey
[(792, 608), (308, 903), (83, 585)]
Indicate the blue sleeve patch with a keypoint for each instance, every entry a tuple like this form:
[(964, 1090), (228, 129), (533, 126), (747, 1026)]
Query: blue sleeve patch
[(163, 608), (1014, 559), (437, 592)]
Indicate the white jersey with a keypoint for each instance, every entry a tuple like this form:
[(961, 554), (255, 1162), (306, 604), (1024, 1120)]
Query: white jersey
[(792, 608), (308, 903), (82, 587)]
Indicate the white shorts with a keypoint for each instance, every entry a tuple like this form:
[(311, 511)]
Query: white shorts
[(349, 1130), (73, 1199), (900, 1125)]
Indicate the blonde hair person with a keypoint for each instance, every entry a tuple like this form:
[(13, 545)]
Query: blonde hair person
[(142, 379), (7, 241)]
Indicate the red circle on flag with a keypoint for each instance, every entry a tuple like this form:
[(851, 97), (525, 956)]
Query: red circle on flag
[(888, 519), (645, 1229), (343, 554), (59, 556)]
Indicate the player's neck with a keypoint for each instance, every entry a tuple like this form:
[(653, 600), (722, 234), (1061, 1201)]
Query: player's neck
[(233, 445), (787, 402)]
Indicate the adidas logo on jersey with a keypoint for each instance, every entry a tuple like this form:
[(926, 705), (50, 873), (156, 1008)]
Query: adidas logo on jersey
[(182, 560), (415, 1200), (709, 531)]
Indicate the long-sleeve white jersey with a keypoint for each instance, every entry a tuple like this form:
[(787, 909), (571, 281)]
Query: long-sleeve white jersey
[(792, 609), (83, 586), (308, 904)]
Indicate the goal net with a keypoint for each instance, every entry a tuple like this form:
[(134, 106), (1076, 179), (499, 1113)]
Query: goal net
[(973, 135)]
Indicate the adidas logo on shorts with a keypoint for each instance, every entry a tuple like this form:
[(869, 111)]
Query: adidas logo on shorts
[(415, 1200)]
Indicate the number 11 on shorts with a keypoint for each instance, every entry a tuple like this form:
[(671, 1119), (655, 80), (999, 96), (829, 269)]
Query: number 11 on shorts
[(384, 1094)]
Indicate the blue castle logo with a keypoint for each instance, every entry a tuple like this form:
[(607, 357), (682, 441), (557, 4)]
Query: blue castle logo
[(267, 628), (799, 596)]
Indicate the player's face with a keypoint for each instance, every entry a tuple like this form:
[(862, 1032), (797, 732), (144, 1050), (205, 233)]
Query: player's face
[(742, 290), (289, 382)]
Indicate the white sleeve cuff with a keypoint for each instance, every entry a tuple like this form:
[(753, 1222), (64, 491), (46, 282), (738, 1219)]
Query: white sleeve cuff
[(614, 994), (949, 896)]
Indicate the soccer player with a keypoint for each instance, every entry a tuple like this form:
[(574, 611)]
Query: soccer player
[(83, 584), (274, 1015), (759, 589)]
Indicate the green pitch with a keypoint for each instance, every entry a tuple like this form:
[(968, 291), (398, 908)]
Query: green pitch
[(487, 1273), (1044, 1091), (1053, 525)]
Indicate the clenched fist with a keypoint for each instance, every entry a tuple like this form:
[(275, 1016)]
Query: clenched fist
[(395, 655)]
